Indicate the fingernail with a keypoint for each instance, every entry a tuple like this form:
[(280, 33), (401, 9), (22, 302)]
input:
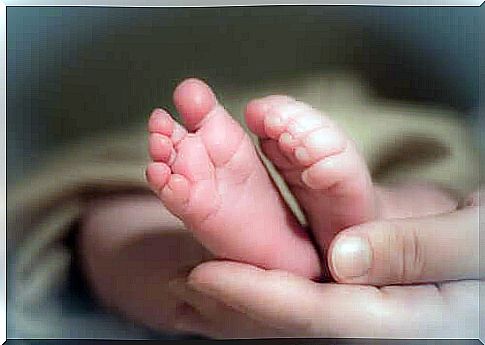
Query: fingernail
[(351, 257)]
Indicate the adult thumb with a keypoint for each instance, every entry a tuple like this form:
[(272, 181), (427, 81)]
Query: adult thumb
[(414, 250)]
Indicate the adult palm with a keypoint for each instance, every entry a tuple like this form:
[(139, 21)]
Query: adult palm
[(225, 299)]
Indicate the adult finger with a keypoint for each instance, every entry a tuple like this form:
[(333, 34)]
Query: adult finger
[(304, 308), (414, 250), (204, 315), (280, 299)]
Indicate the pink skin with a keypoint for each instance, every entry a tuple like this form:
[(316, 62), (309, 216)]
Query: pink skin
[(320, 164), (210, 176)]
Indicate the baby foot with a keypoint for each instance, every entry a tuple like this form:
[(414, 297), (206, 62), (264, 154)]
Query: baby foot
[(319, 162), (210, 176)]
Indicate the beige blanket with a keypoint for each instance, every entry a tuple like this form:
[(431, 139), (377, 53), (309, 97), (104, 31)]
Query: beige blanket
[(401, 141)]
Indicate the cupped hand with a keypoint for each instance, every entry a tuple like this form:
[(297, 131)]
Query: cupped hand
[(227, 299)]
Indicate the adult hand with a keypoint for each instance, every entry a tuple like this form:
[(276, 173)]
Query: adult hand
[(415, 250), (228, 299)]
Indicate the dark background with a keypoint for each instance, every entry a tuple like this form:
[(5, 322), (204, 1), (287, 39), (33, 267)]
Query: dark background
[(74, 71)]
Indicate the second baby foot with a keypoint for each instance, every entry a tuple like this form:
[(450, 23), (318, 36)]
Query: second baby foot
[(320, 164), (208, 174)]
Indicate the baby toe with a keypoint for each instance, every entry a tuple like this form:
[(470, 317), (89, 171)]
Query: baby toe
[(271, 149), (329, 172), (319, 144), (160, 148), (175, 194), (161, 122), (157, 175)]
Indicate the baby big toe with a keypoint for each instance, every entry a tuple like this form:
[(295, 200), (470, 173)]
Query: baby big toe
[(257, 110), (284, 117), (194, 99)]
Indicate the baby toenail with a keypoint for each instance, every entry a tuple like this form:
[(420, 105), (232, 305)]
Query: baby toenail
[(302, 154), (286, 139)]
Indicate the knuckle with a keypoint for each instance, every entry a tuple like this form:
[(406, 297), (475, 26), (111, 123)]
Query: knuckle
[(407, 259)]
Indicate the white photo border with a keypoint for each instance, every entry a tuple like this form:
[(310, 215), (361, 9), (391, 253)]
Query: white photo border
[(169, 3)]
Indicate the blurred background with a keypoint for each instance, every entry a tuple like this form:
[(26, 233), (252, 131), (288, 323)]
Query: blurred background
[(75, 71)]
